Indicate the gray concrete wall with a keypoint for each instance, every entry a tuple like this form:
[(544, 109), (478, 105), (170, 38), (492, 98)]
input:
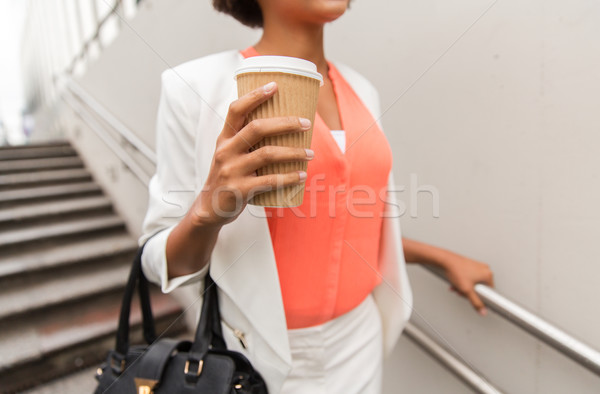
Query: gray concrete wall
[(496, 110)]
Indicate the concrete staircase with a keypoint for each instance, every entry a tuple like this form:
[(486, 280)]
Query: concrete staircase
[(64, 259)]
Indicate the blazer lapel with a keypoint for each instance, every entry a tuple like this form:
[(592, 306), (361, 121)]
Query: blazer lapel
[(243, 265), (394, 295)]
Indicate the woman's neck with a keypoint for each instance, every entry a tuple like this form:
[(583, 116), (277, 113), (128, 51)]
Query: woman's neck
[(305, 42)]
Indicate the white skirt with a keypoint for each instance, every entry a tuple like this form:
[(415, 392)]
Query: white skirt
[(343, 355)]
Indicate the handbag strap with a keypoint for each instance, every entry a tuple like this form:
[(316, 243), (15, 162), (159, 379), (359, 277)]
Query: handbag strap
[(136, 276), (208, 333), (217, 333)]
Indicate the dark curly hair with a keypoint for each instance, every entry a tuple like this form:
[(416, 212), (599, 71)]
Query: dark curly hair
[(247, 12)]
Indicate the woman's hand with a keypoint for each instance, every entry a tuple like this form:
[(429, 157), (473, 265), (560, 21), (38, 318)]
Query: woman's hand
[(463, 274), (232, 179)]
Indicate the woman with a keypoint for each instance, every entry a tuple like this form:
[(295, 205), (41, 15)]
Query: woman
[(312, 295)]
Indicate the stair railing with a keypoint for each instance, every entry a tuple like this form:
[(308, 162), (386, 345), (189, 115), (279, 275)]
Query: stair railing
[(576, 350), (76, 90), (88, 109), (450, 361)]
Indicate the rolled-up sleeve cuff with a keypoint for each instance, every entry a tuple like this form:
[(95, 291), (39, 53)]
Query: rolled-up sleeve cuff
[(154, 264)]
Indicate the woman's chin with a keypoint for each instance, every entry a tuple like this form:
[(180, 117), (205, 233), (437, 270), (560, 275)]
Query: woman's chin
[(332, 9), (331, 16)]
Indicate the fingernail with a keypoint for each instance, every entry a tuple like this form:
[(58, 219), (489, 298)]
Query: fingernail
[(269, 87), (305, 123), (302, 175), (310, 153), (483, 311)]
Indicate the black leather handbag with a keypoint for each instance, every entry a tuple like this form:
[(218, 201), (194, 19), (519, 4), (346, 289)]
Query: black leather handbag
[(174, 366)]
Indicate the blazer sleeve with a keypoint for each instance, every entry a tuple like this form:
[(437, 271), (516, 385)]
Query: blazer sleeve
[(171, 189)]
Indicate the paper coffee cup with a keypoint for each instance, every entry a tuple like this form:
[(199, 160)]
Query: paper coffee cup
[(298, 84)]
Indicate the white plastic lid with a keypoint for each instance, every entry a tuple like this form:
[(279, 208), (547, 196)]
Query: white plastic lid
[(281, 64)]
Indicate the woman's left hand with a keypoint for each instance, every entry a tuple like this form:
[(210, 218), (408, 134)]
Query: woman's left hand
[(463, 274)]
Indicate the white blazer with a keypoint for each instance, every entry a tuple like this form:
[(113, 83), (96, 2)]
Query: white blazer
[(194, 101)]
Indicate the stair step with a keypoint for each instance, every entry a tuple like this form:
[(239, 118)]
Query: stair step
[(51, 231), (34, 295), (35, 178), (49, 346), (36, 152), (54, 256), (11, 166), (43, 192), (45, 144), (43, 210), (65, 259), (82, 381)]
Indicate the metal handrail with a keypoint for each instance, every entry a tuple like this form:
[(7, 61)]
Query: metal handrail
[(116, 124), (452, 363), (553, 336), (95, 37), (110, 142)]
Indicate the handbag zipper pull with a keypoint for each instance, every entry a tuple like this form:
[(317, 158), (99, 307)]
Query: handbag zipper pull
[(240, 335)]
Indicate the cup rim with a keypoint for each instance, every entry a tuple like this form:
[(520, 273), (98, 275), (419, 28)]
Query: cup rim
[(283, 64)]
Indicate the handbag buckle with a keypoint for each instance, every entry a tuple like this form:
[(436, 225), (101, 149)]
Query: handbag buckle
[(117, 363), (186, 369), (145, 386)]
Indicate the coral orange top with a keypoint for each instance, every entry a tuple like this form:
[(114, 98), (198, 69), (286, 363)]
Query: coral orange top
[(326, 249)]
